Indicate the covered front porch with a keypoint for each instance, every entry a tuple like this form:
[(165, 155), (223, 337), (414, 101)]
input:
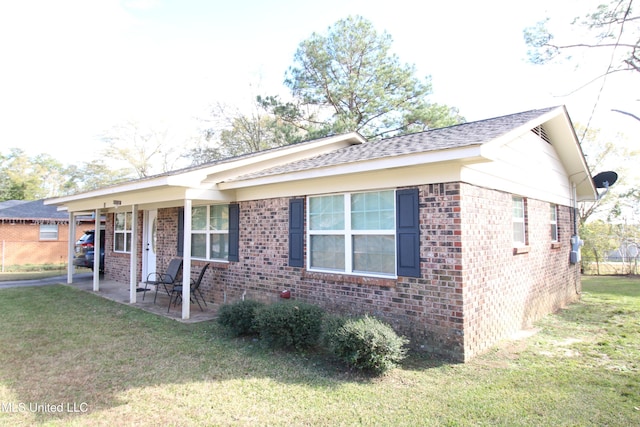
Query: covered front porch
[(150, 221), (119, 292)]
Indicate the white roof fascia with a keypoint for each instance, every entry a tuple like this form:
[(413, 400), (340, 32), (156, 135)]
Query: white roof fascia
[(129, 187), (470, 154), (197, 177), (273, 158)]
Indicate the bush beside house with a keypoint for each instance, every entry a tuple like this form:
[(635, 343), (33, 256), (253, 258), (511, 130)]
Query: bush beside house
[(363, 343)]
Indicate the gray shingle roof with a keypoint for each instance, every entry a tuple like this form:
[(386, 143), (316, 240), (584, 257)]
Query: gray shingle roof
[(458, 136), (11, 203), (32, 210)]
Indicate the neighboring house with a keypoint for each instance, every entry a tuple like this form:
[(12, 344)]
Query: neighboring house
[(33, 233), (458, 237), (628, 252)]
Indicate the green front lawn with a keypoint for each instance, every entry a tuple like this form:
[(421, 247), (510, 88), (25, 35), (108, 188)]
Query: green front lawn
[(104, 363)]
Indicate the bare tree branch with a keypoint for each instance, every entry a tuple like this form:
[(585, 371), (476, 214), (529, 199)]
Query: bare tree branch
[(627, 113)]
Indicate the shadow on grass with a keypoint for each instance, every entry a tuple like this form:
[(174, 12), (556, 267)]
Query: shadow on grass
[(65, 346)]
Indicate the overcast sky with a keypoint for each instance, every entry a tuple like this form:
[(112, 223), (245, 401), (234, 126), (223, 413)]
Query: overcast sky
[(72, 69)]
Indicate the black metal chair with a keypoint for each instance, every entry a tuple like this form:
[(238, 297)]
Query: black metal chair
[(195, 291), (165, 279)]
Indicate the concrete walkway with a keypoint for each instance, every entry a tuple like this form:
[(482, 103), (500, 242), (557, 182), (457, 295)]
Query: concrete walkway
[(56, 280)]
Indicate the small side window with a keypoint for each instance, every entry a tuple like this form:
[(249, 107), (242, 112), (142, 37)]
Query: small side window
[(123, 223), (519, 222), (553, 221), (48, 231)]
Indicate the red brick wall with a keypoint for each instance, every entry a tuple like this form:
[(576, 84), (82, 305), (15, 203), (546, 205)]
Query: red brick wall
[(473, 290), (503, 292), (21, 244), (428, 309), (116, 264)]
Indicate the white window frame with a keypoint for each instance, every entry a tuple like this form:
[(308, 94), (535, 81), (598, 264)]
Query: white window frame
[(49, 231), (126, 232), (208, 231), (519, 221), (553, 221), (349, 233)]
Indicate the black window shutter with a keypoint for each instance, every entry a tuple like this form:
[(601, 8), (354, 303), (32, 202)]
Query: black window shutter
[(180, 250), (408, 232), (296, 232), (234, 232)]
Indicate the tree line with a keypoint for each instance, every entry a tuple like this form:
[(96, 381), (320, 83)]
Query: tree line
[(345, 79)]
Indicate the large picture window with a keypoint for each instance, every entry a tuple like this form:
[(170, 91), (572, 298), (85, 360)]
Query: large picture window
[(210, 232), (353, 233), (122, 232)]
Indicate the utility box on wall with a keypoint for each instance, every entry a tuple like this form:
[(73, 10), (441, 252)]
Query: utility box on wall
[(576, 244)]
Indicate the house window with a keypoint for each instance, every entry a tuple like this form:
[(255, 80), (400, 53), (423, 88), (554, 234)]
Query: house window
[(353, 233), (48, 231), (519, 221), (553, 219), (210, 232), (122, 232)]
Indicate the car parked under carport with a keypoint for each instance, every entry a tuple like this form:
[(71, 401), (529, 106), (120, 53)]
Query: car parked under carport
[(84, 251)]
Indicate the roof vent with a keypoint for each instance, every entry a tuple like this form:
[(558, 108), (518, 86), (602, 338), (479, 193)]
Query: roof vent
[(539, 130)]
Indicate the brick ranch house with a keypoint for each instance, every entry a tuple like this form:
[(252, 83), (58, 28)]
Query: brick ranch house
[(34, 233), (458, 237)]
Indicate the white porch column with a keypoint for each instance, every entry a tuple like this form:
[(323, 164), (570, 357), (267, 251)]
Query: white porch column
[(133, 259), (186, 262), (96, 252), (71, 247)]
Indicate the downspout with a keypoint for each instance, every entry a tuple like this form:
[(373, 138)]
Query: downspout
[(576, 242), (574, 202)]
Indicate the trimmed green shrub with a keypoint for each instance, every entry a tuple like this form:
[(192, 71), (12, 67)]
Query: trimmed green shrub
[(330, 326), (239, 317), (290, 325), (367, 344)]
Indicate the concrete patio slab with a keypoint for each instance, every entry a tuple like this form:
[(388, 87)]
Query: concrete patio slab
[(119, 292)]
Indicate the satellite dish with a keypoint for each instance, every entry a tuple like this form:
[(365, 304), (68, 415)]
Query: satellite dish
[(605, 179)]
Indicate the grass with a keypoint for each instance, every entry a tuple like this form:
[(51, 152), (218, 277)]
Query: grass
[(29, 275), (116, 365)]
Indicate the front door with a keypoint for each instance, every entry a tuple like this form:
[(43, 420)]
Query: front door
[(149, 247)]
